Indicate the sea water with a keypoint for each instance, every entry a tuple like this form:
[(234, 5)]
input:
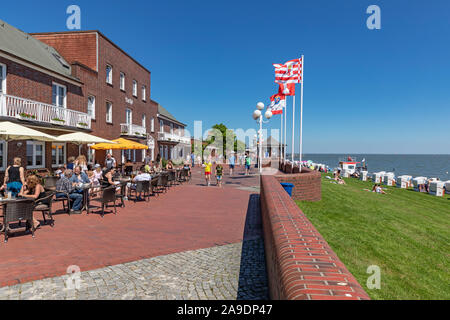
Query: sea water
[(430, 166)]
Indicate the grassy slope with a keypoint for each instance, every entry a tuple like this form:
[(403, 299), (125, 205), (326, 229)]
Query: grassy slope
[(405, 233)]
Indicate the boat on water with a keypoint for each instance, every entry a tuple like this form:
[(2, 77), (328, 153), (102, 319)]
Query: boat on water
[(350, 165)]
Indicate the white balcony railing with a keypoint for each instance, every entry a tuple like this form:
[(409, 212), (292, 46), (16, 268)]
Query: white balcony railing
[(24, 109), (165, 136), (133, 130)]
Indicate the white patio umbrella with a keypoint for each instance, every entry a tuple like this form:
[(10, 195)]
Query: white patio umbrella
[(80, 138), (12, 131)]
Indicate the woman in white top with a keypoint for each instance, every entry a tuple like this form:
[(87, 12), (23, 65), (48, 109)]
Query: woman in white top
[(82, 162)]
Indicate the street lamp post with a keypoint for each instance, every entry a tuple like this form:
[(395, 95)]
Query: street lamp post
[(257, 115)]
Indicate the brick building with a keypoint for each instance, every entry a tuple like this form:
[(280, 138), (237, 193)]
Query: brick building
[(63, 82), (37, 89)]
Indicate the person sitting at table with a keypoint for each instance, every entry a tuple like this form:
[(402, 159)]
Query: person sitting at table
[(128, 167), (33, 189), (169, 165), (64, 184), (70, 163), (79, 176), (156, 167), (107, 178), (14, 177), (141, 176)]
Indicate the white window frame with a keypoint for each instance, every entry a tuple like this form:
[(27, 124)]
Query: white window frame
[(161, 126), (135, 85), (122, 81), (109, 113), (93, 107), (35, 143), (58, 85), (110, 76), (130, 120), (3, 164), (152, 125), (59, 162), (144, 120), (171, 128), (144, 93), (3, 79)]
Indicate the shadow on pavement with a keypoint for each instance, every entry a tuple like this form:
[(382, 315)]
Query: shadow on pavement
[(253, 283)]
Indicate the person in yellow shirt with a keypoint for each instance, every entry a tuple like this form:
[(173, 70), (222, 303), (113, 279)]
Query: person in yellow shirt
[(208, 166)]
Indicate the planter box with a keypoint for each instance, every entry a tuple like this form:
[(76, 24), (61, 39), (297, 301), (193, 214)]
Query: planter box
[(61, 123)]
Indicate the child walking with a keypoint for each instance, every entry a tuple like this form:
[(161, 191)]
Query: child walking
[(208, 166), (219, 173)]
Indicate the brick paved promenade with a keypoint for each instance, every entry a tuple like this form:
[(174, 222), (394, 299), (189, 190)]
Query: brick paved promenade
[(194, 242)]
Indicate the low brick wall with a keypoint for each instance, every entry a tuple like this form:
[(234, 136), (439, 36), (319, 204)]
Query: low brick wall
[(300, 263), (307, 184)]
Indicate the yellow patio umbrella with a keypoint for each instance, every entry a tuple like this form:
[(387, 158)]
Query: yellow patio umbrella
[(120, 144)]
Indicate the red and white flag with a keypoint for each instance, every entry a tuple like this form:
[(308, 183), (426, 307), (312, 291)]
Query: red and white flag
[(290, 72), (277, 104), (287, 89)]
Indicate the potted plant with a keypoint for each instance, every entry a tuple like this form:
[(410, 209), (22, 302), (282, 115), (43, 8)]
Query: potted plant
[(82, 125), (26, 116), (58, 120)]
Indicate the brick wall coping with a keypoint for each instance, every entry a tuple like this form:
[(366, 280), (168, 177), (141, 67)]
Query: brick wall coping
[(300, 263)]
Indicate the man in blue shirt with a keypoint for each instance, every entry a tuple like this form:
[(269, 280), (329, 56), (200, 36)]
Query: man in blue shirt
[(79, 176)]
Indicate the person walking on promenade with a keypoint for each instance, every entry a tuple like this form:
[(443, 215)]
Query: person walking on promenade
[(232, 161), (193, 159), (248, 163), (208, 166), (219, 173), (14, 177)]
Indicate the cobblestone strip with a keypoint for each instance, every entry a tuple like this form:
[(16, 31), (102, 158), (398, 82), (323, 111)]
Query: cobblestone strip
[(211, 273)]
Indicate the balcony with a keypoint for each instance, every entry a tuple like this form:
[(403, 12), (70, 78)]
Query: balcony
[(133, 130), (38, 112), (170, 137)]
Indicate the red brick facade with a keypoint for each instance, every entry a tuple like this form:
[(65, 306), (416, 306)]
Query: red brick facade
[(307, 185), (83, 50), (300, 263)]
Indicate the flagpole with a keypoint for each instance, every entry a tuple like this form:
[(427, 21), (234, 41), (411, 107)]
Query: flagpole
[(281, 134), (293, 128), (301, 109), (285, 126)]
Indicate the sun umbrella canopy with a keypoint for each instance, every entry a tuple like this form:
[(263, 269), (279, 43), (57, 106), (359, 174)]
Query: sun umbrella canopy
[(82, 138), (120, 144), (13, 131)]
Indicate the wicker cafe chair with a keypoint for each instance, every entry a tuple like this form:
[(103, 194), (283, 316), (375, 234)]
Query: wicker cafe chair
[(44, 205), (163, 182), (108, 196), (121, 194), (154, 185), (172, 177), (18, 210), (50, 183), (141, 187), (65, 199)]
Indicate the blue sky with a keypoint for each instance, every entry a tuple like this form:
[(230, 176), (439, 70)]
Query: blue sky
[(366, 91)]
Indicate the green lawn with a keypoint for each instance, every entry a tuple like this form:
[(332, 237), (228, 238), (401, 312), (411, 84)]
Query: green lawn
[(405, 233)]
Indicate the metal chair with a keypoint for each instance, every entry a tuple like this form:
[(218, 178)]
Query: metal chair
[(108, 196), (18, 210), (44, 205)]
